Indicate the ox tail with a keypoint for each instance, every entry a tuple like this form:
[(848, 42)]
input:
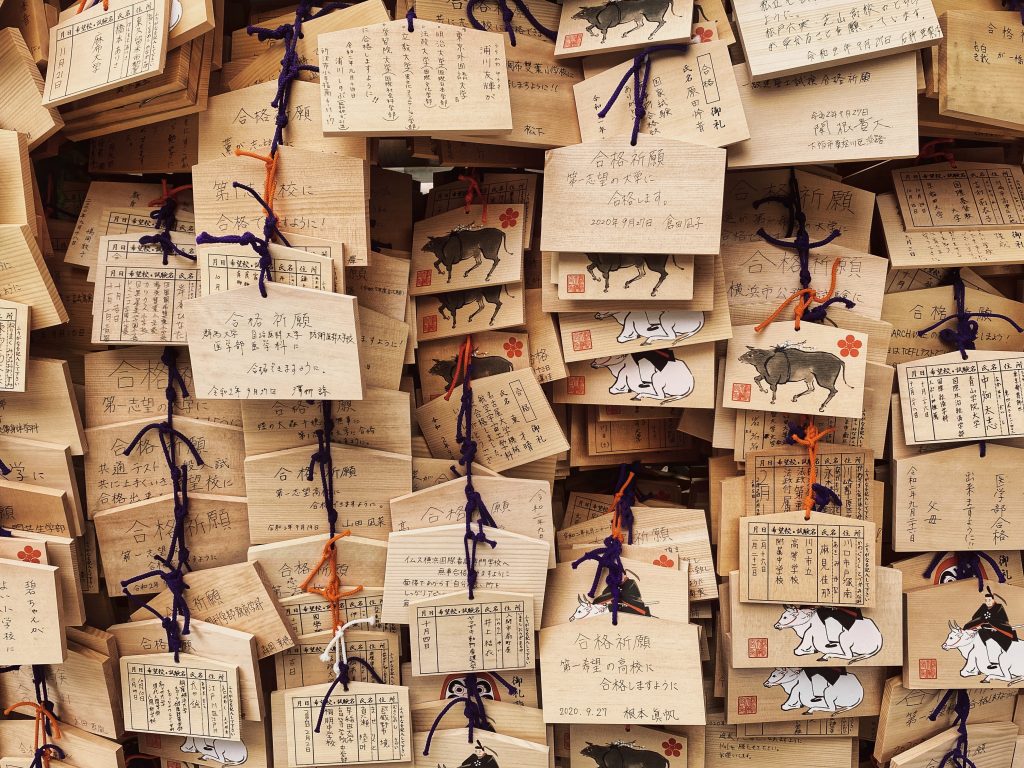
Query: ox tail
[(505, 287), (674, 398), (504, 245), (671, 7), (840, 710), (674, 256), (843, 371)]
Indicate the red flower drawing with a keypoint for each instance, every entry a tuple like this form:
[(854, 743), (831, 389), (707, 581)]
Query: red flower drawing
[(703, 35), (849, 347), (513, 347), (672, 747), (665, 561), (509, 218), (29, 555)]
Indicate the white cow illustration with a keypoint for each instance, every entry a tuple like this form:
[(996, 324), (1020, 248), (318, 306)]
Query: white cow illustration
[(976, 656), (817, 690), (651, 326), (586, 609), (218, 750), (673, 381), (861, 641)]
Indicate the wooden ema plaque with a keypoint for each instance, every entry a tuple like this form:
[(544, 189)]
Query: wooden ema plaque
[(782, 693), (947, 399), (14, 331), (764, 635), (122, 43), (493, 632), (604, 196), (660, 658), (989, 745), (956, 499), (297, 343), (584, 30), (819, 369), (369, 723), (791, 37), (971, 196), (960, 637), (827, 560), (600, 277), (302, 664), (425, 104), (190, 697), (33, 627), (432, 561), (453, 747)]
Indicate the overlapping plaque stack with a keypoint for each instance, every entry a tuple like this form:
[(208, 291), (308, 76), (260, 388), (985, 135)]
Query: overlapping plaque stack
[(633, 384)]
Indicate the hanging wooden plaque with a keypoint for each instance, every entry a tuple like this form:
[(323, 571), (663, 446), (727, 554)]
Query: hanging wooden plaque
[(517, 505), (829, 360), (368, 723), (947, 399), (472, 247), (607, 196), (988, 745), (652, 588), (284, 503), (192, 696), (764, 635), (432, 561), (493, 632), (121, 42), (827, 560), (297, 343), (470, 311), (302, 665), (976, 196), (33, 625), (960, 637), (512, 422), (602, 277), (224, 267), (494, 352), (782, 693), (692, 96), (668, 749), (801, 39), (593, 672), (286, 564), (584, 30), (954, 499), (385, 104)]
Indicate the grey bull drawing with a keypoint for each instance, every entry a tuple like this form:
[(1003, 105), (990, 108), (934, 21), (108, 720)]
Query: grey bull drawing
[(461, 244), (456, 300), (623, 755), (783, 365), (606, 263), (616, 12)]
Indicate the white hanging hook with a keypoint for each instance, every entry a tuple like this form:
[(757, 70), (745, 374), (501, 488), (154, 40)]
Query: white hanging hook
[(337, 645)]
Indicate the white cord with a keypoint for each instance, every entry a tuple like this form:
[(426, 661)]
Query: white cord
[(337, 645)]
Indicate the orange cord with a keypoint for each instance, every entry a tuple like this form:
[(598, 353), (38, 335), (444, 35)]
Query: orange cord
[(812, 436), (461, 365), (269, 182), (614, 507), (474, 191), (332, 592), (168, 193), (804, 298), (41, 714)]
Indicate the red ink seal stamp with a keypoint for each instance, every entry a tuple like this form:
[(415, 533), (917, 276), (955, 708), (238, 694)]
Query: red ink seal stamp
[(757, 647), (576, 385), (430, 324), (152, 740), (746, 705), (575, 283), (927, 669), (741, 393), (423, 277), (581, 341), (573, 41)]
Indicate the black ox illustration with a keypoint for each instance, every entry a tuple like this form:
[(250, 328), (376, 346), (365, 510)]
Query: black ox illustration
[(606, 263), (623, 755), (485, 365), (456, 300), (782, 365), (461, 244), (616, 12)]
